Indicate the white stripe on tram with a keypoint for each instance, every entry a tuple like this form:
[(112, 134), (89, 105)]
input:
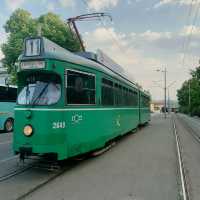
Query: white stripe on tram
[(75, 109)]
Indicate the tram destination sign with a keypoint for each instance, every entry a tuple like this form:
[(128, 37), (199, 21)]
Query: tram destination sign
[(33, 47), (36, 64)]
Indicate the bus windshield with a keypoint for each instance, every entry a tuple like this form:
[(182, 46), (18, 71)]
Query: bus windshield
[(40, 92)]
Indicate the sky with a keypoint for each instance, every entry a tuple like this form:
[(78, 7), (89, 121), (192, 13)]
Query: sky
[(144, 36)]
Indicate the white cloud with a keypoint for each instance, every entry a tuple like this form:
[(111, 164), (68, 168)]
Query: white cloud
[(98, 5), (14, 4), (117, 46), (3, 37), (187, 30), (175, 2), (51, 6), (66, 3), (141, 53), (152, 36)]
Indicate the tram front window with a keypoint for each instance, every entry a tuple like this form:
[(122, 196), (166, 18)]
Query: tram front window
[(40, 92)]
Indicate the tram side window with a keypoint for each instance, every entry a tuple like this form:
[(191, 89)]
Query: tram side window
[(135, 98), (107, 92), (145, 101), (80, 88), (119, 95)]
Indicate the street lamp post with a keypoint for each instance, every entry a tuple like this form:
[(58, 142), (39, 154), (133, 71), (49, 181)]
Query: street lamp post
[(165, 89), (165, 79)]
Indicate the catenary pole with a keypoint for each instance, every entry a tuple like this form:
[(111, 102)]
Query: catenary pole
[(165, 91)]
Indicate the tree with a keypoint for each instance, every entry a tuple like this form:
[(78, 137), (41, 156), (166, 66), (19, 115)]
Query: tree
[(56, 30), (183, 94), (21, 25)]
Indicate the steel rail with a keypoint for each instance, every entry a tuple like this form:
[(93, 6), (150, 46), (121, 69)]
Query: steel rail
[(185, 192), (21, 169), (48, 180), (14, 173), (190, 129), (8, 159)]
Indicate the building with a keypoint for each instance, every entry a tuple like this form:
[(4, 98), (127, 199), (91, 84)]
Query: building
[(157, 106)]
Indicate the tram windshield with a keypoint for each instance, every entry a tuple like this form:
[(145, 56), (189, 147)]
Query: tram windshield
[(40, 91)]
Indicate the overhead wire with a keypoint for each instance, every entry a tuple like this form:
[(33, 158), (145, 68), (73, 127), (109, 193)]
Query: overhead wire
[(112, 36), (187, 41), (187, 23)]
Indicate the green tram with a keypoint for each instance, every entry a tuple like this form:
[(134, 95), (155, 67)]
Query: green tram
[(69, 105)]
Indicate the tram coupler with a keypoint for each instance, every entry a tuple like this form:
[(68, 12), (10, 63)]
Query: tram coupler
[(24, 152)]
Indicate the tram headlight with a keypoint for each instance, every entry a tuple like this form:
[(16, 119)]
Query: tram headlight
[(28, 130)]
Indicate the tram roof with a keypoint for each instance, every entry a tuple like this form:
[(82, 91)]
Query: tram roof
[(51, 50)]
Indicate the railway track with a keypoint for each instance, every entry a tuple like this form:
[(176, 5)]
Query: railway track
[(14, 173), (50, 166), (191, 183), (69, 165), (184, 183), (47, 166), (189, 129)]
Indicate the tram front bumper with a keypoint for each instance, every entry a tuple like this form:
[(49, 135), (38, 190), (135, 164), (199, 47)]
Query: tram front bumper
[(59, 151), (45, 138), (25, 151)]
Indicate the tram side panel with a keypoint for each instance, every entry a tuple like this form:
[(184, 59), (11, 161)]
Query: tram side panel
[(91, 127), (144, 109)]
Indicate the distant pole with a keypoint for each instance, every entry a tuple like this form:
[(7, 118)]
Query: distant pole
[(169, 107), (165, 91)]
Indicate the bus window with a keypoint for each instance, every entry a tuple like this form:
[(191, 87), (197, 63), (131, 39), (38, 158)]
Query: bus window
[(8, 94)]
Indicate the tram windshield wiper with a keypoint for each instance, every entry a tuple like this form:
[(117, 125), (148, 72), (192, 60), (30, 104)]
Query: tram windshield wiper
[(27, 94), (34, 100)]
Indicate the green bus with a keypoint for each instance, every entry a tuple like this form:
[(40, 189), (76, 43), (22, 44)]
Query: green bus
[(71, 104), (8, 95)]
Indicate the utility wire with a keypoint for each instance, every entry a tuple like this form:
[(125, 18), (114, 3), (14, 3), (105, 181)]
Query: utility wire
[(188, 39), (113, 37), (193, 25), (188, 21)]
